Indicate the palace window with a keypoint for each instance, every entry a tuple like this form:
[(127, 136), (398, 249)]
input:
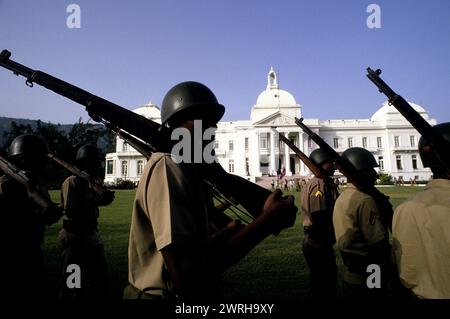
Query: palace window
[(381, 163), (412, 140), (230, 145), (364, 142), (231, 166), (124, 166), (379, 142), (414, 161), (140, 167), (398, 160), (263, 142), (396, 141), (109, 167), (350, 142), (336, 142), (125, 147)]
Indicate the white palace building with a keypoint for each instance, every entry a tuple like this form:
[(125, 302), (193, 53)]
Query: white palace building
[(251, 149)]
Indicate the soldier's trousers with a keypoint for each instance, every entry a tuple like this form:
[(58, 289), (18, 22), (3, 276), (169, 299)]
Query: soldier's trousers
[(321, 261), (87, 252)]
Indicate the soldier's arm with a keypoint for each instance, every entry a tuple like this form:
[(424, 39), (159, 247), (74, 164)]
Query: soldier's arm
[(278, 213), (374, 232)]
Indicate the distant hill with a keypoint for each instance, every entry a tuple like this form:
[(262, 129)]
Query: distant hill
[(5, 125)]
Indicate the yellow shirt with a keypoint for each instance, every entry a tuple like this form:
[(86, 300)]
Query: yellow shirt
[(168, 209), (357, 225), (421, 241)]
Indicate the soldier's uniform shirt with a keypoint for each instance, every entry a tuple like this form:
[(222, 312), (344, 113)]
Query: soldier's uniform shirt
[(20, 212), (22, 267), (169, 208), (421, 241), (357, 226), (80, 204), (318, 198)]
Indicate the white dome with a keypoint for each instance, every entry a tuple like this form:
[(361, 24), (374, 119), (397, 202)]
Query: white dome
[(150, 111), (387, 111), (275, 97)]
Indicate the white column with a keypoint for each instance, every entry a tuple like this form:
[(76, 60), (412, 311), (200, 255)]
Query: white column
[(286, 157), (255, 166), (302, 148), (272, 154), (239, 154)]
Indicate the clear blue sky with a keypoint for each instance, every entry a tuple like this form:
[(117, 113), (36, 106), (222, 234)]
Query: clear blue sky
[(134, 51)]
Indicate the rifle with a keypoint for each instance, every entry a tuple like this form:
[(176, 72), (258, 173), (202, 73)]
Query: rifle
[(440, 145), (104, 193), (97, 107), (349, 171), (310, 164), (43, 202), (150, 132)]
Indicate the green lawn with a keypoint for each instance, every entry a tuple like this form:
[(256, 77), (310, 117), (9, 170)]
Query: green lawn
[(275, 269)]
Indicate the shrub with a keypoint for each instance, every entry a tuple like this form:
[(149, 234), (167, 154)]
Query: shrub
[(122, 184), (385, 179)]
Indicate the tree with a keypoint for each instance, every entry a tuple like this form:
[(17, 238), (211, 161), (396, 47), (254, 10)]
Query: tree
[(64, 145), (14, 131)]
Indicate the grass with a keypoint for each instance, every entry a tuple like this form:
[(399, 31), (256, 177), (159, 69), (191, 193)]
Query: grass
[(274, 270)]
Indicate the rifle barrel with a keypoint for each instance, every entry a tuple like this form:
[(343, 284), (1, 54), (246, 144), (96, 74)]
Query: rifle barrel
[(414, 118)]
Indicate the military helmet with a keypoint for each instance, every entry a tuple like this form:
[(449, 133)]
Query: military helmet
[(28, 145), (88, 152), (318, 156), (429, 158), (190, 100), (360, 158)]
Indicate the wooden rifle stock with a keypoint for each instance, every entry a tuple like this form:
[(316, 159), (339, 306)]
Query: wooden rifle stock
[(302, 156), (15, 173), (94, 184)]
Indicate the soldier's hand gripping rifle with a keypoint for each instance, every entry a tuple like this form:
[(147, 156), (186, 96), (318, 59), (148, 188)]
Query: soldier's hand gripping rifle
[(49, 212), (105, 195), (144, 129), (440, 145), (349, 171)]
